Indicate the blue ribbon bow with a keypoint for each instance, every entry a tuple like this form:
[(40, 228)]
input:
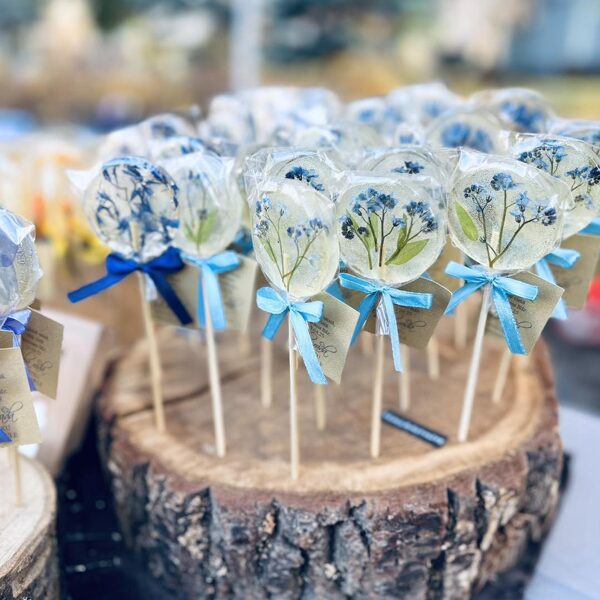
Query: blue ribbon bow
[(118, 267), (211, 268), (593, 228), (4, 437), (502, 287), (301, 313), (389, 297), (16, 323), (561, 257)]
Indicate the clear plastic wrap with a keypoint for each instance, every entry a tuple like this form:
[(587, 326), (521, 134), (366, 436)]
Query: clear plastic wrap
[(504, 214), (571, 161), (519, 109), (209, 206), (294, 236), (311, 167), (131, 205), (391, 227), (579, 129), (466, 128), (166, 148), (19, 266)]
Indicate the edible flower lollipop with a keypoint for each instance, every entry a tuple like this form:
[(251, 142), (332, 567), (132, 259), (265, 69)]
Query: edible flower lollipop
[(519, 109), (209, 218), (390, 233), (505, 216), (131, 205), (297, 249)]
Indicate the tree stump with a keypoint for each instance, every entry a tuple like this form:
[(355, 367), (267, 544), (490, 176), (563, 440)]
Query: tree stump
[(416, 523), (28, 549)]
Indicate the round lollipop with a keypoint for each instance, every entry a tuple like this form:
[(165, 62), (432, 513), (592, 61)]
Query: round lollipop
[(504, 215), (519, 109), (465, 128), (296, 247), (209, 218), (390, 232), (572, 162), (131, 205)]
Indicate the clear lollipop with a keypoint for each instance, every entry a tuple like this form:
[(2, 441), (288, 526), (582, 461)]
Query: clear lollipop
[(293, 229), (571, 161), (409, 160), (465, 128), (132, 207), (180, 145), (519, 109)]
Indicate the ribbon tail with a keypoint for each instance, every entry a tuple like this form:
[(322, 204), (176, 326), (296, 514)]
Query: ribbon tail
[(170, 297), (4, 437), (273, 323), (364, 310), (508, 321), (90, 289), (306, 349), (392, 325), (214, 298), (461, 294), (542, 268)]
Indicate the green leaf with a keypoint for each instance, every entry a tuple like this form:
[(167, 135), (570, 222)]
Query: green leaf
[(409, 251), (207, 227), (268, 249), (402, 237), (467, 224)]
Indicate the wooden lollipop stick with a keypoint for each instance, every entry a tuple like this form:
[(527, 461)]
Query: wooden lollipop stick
[(266, 372), (244, 344), (320, 407), (366, 344), (433, 358), (461, 327), (404, 380), (16, 466), (467, 407), (214, 377), (503, 371), (294, 429), (377, 397), (154, 358)]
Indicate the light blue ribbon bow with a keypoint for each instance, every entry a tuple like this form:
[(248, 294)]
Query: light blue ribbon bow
[(561, 257), (593, 228), (301, 314), (389, 297), (210, 269), (502, 287), (16, 323)]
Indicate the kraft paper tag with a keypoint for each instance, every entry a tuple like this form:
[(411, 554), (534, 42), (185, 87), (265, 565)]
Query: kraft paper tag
[(416, 325), (531, 316), (17, 415), (41, 347), (437, 269), (576, 280), (331, 337), (238, 288)]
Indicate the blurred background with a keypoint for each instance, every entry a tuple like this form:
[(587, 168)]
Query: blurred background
[(107, 62)]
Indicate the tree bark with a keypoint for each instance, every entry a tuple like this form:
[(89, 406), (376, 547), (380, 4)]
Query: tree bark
[(28, 549), (418, 523)]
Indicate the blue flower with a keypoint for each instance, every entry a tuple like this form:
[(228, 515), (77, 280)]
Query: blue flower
[(502, 181), (522, 117), (549, 216), (398, 222), (301, 174), (410, 167), (461, 134)]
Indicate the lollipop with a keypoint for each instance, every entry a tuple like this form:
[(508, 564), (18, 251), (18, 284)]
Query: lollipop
[(209, 218), (131, 205), (390, 233), (519, 109), (297, 250), (504, 215), (465, 128)]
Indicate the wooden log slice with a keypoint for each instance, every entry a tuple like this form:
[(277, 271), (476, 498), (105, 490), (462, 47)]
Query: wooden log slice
[(28, 549), (417, 523)]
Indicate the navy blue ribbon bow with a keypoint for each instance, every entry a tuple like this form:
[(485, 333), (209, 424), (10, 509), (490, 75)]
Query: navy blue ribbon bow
[(118, 267), (560, 257), (4, 437), (211, 268), (502, 288), (389, 297), (301, 314), (16, 323)]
